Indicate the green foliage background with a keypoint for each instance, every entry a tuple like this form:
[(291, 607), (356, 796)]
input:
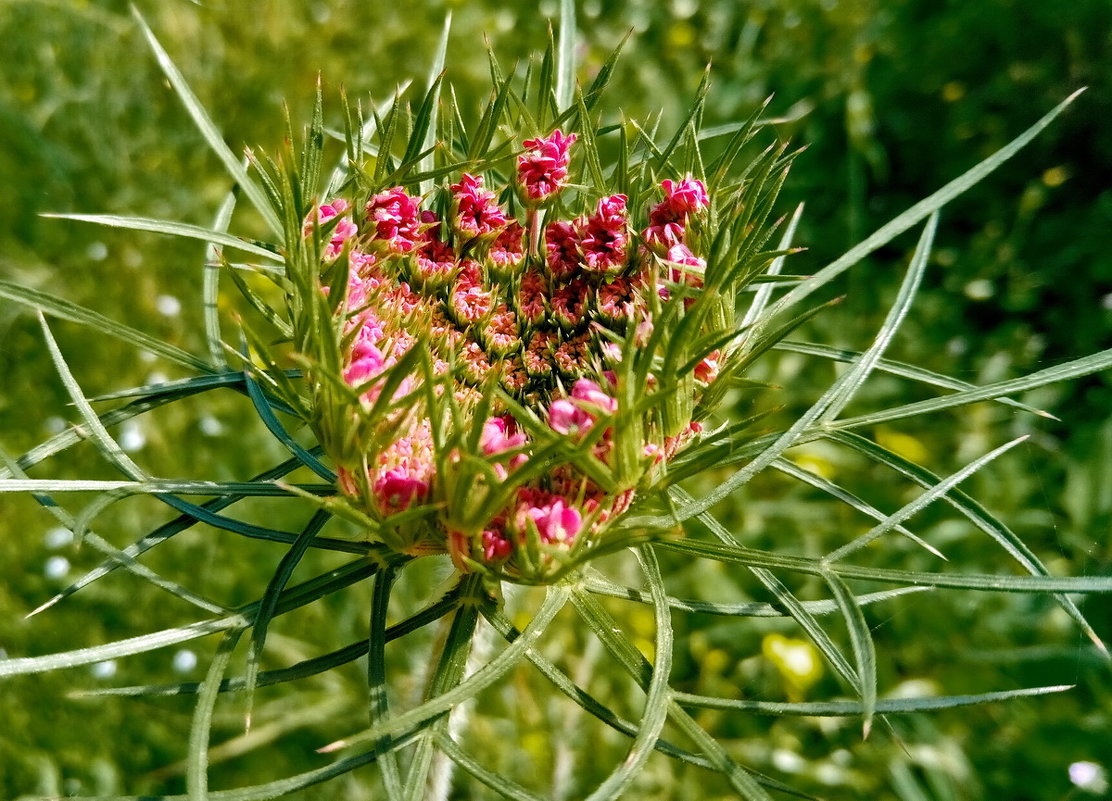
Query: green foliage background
[(893, 99)]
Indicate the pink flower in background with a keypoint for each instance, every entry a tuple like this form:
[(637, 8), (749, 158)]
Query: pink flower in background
[(395, 220), (542, 170), (477, 209)]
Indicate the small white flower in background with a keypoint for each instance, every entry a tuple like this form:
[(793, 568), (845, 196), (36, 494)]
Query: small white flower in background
[(57, 537), (1089, 776), (97, 251), (54, 424), (56, 567), (104, 670), (168, 305), (132, 437), (185, 660), (210, 426)]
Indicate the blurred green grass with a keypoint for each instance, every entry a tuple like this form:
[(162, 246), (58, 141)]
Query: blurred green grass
[(893, 99)]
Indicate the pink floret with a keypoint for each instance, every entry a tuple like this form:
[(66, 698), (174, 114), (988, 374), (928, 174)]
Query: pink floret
[(543, 169)]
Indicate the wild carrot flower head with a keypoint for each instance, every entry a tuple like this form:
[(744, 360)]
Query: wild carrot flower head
[(486, 355)]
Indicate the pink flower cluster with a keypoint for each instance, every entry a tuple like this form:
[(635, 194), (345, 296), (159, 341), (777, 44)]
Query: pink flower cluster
[(541, 321), (542, 170)]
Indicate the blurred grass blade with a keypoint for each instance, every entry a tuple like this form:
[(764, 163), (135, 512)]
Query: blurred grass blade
[(500, 784), (427, 163), (565, 57), (209, 131)]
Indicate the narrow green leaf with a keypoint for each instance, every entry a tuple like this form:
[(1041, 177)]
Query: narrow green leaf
[(764, 294), (210, 290), (63, 309), (304, 669), (976, 513), (901, 369), (864, 649), (1094, 363), (159, 535), (919, 211), (484, 677), (268, 603), (115, 556), (892, 321), (830, 488), (379, 706), (196, 773), (963, 581), (294, 598), (173, 228), (266, 413), (209, 131), (658, 692), (935, 492), (601, 586), (887, 706)]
